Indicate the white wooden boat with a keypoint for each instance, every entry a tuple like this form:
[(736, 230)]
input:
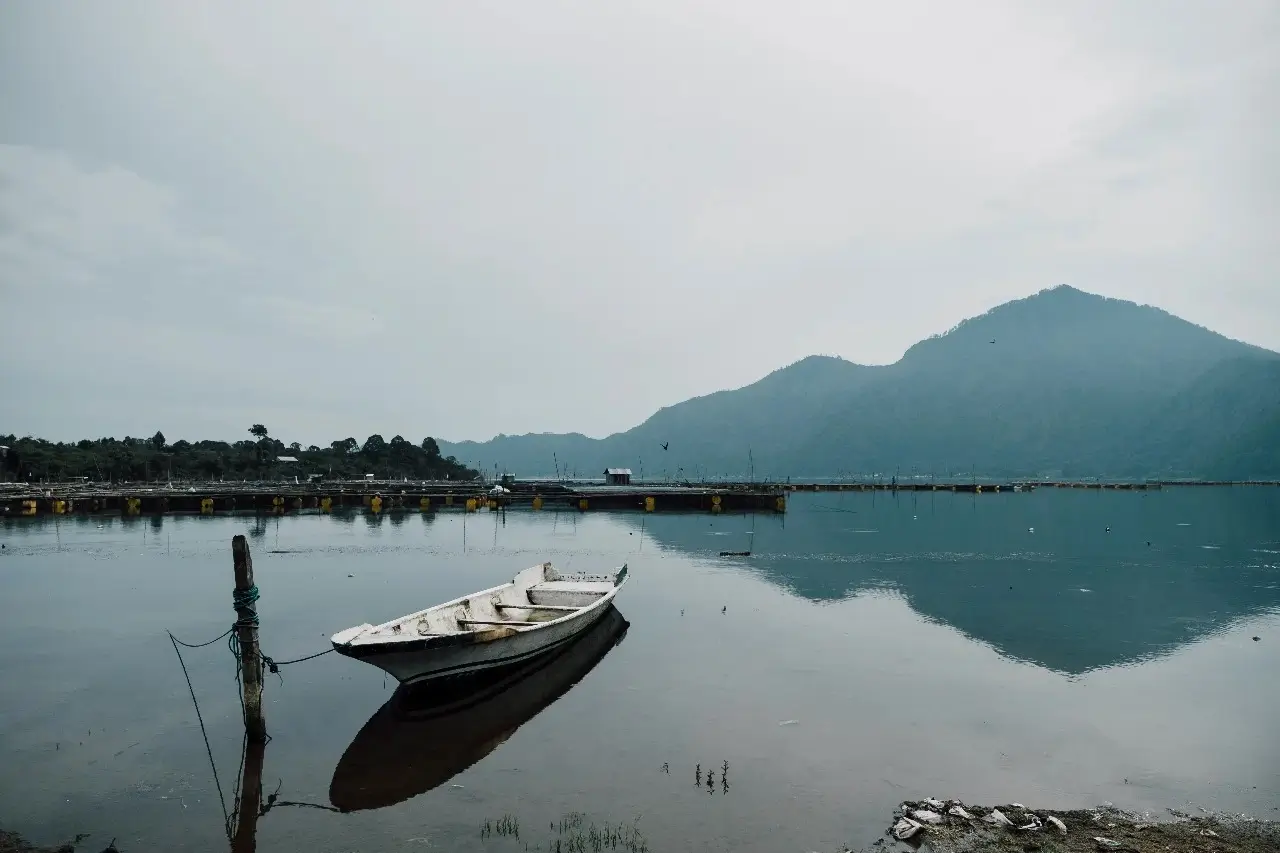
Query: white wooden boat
[(540, 609), (429, 732)]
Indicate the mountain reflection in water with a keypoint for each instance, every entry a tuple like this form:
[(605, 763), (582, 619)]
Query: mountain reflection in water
[(426, 734), (1069, 580)]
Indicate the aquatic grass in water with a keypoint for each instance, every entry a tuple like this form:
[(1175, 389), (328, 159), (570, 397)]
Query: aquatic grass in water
[(505, 826), (574, 833)]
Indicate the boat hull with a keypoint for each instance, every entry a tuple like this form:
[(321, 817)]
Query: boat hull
[(472, 652), (426, 734)]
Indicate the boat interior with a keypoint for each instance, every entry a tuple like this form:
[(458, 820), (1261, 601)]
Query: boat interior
[(537, 595)]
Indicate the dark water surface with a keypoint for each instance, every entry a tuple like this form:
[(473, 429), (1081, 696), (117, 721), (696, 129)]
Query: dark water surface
[(873, 648)]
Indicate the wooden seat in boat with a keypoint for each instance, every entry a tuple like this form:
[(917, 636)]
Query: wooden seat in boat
[(568, 593)]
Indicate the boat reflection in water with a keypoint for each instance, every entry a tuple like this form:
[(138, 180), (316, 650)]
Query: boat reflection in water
[(429, 732)]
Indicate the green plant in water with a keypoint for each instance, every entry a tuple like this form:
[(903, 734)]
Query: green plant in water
[(574, 833), (507, 825), (578, 835)]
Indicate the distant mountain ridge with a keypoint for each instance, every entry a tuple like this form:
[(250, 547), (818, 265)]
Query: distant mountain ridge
[(1061, 383)]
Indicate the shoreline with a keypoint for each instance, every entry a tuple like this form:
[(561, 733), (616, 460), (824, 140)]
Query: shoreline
[(953, 827)]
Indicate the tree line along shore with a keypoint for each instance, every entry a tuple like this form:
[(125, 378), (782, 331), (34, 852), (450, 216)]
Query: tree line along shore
[(30, 459)]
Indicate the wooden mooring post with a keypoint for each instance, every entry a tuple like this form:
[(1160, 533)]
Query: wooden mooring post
[(247, 634), (244, 837)]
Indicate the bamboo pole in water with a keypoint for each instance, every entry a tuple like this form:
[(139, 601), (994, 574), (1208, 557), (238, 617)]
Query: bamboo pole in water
[(247, 635)]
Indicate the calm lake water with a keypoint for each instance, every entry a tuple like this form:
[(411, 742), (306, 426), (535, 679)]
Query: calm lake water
[(873, 648)]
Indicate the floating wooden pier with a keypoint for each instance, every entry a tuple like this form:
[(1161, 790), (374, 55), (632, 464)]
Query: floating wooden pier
[(396, 496), (282, 498)]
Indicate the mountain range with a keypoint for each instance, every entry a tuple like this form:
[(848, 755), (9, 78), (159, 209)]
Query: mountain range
[(1060, 384)]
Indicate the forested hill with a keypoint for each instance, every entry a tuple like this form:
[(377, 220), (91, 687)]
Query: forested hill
[(140, 459), (1062, 383)]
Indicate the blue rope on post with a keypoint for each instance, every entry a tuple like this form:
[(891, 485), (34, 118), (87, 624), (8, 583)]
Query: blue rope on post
[(246, 599), (242, 599)]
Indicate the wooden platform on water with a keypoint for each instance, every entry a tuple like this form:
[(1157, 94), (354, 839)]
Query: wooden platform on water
[(386, 496), (18, 500)]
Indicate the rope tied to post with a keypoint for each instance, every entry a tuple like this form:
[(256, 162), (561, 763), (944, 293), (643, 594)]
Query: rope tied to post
[(244, 599), (245, 625), (201, 645)]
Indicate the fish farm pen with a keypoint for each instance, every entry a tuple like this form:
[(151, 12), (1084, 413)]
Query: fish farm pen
[(25, 499), (378, 496)]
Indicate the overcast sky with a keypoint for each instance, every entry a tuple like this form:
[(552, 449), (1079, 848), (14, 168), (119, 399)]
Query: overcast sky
[(466, 218)]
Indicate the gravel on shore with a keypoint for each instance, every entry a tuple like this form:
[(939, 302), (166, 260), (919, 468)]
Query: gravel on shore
[(953, 827)]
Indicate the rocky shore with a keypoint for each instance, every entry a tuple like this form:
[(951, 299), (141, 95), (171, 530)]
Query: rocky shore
[(954, 827)]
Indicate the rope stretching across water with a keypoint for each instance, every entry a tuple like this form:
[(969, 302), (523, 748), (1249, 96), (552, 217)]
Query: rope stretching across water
[(241, 600), (244, 600), (226, 818)]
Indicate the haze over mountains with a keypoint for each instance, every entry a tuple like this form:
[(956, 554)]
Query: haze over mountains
[(1062, 383)]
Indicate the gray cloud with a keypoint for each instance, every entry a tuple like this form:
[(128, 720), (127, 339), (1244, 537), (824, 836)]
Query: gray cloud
[(461, 220)]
